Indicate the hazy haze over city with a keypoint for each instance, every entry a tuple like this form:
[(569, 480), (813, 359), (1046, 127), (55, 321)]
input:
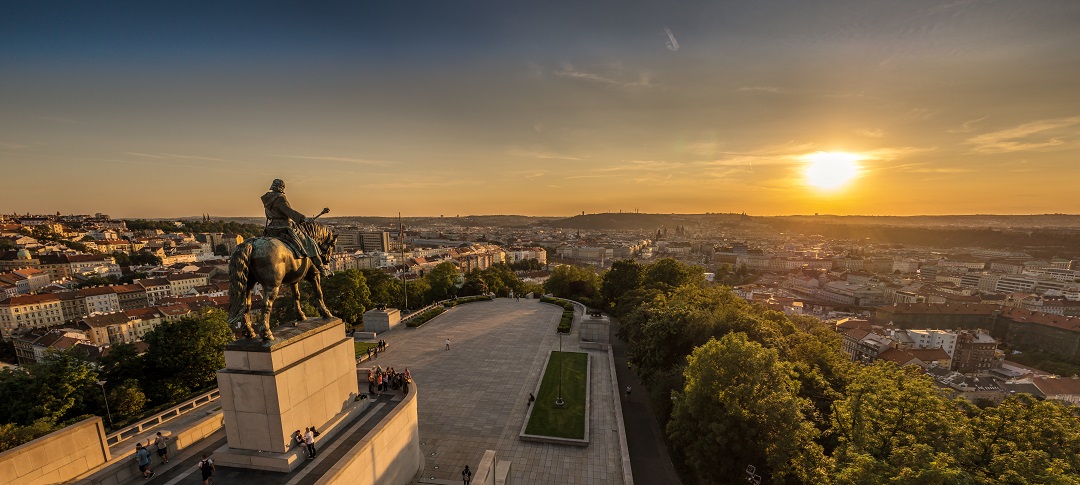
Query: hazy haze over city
[(780, 107)]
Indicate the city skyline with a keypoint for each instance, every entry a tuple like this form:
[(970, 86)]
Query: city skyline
[(152, 111)]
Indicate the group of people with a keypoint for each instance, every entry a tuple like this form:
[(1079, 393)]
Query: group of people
[(161, 445), (307, 439), (380, 380), (142, 454), (373, 352)]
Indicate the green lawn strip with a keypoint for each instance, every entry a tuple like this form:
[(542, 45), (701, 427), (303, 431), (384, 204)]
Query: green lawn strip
[(569, 420), (362, 347)]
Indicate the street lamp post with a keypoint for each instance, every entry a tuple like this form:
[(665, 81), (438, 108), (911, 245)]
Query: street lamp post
[(107, 412), (559, 400)]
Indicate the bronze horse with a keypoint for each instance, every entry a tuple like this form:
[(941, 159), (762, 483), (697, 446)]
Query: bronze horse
[(270, 262)]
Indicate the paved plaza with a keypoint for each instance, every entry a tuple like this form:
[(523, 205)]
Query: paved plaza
[(474, 397)]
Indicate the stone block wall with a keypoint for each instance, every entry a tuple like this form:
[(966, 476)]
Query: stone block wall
[(122, 468), (56, 457), (388, 455), (266, 396)]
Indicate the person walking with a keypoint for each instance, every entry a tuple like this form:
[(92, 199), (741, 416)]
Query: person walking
[(206, 466), (466, 475), (142, 457), (309, 439), (627, 391), (162, 445), (447, 344)]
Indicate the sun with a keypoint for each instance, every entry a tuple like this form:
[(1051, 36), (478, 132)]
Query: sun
[(831, 170)]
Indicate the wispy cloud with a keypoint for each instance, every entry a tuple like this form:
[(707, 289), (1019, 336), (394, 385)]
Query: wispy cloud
[(541, 153), (177, 156), (967, 126), (12, 146), (766, 89), (672, 43), (643, 81), (872, 133), (413, 183), (893, 153), (62, 120), (593, 176), (1032, 136), (358, 161), (923, 167)]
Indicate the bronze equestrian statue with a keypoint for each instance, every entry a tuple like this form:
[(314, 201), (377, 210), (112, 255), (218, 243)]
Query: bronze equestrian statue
[(293, 249)]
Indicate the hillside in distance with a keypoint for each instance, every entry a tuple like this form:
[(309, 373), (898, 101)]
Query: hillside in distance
[(632, 221)]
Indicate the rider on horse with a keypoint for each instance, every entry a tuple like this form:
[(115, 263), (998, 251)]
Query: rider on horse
[(281, 223)]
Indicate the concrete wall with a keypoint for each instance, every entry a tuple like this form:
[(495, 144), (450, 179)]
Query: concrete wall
[(381, 320), (58, 456), (122, 468), (388, 455), (268, 395)]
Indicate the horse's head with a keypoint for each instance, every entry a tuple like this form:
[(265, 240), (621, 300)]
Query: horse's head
[(327, 247), (322, 235)]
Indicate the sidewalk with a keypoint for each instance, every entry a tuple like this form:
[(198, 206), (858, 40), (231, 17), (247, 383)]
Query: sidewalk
[(649, 458), (184, 421), (183, 468)]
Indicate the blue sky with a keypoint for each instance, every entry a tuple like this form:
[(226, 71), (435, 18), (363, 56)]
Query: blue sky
[(541, 108)]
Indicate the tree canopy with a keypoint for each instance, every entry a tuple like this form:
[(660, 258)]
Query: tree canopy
[(186, 354), (736, 384), (575, 283)]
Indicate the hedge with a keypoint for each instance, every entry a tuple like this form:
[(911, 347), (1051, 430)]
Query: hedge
[(424, 317), (462, 301), (567, 315)]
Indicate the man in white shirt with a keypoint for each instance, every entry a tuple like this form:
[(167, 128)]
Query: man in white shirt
[(309, 439)]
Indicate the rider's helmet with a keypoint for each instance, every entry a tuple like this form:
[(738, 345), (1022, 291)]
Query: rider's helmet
[(278, 185)]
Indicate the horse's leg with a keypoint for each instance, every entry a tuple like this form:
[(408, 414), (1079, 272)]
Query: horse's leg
[(271, 295), (247, 329), (314, 279), (296, 301)]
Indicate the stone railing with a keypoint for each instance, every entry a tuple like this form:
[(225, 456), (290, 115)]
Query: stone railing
[(173, 412)]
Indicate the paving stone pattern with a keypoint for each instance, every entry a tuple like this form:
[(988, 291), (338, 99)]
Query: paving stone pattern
[(474, 397)]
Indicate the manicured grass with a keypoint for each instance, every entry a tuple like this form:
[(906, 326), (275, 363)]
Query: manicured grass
[(569, 420), (361, 347)]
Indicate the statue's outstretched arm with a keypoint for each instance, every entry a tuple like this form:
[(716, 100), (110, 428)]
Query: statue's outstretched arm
[(283, 205)]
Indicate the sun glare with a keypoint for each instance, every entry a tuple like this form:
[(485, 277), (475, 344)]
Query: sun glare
[(831, 170)]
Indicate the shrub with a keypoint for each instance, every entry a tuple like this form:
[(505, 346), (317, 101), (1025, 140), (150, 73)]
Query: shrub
[(424, 317), (467, 299), (568, 313)]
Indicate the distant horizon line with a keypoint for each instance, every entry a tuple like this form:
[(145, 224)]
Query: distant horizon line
[(633, 213)]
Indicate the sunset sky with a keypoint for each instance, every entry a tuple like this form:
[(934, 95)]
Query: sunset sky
[(372, 108)]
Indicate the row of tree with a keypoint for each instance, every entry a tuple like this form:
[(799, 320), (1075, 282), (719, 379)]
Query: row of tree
[(196, 226), (736, 384), (349, 293)]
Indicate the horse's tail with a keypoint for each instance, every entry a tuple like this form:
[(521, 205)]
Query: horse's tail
[(238, 282)]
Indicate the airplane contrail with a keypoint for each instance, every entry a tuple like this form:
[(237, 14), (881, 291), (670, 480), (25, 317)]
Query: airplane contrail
[(672, 44)]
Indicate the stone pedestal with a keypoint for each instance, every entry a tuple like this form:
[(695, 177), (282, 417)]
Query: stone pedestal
[(381, 320), (305, 377)]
